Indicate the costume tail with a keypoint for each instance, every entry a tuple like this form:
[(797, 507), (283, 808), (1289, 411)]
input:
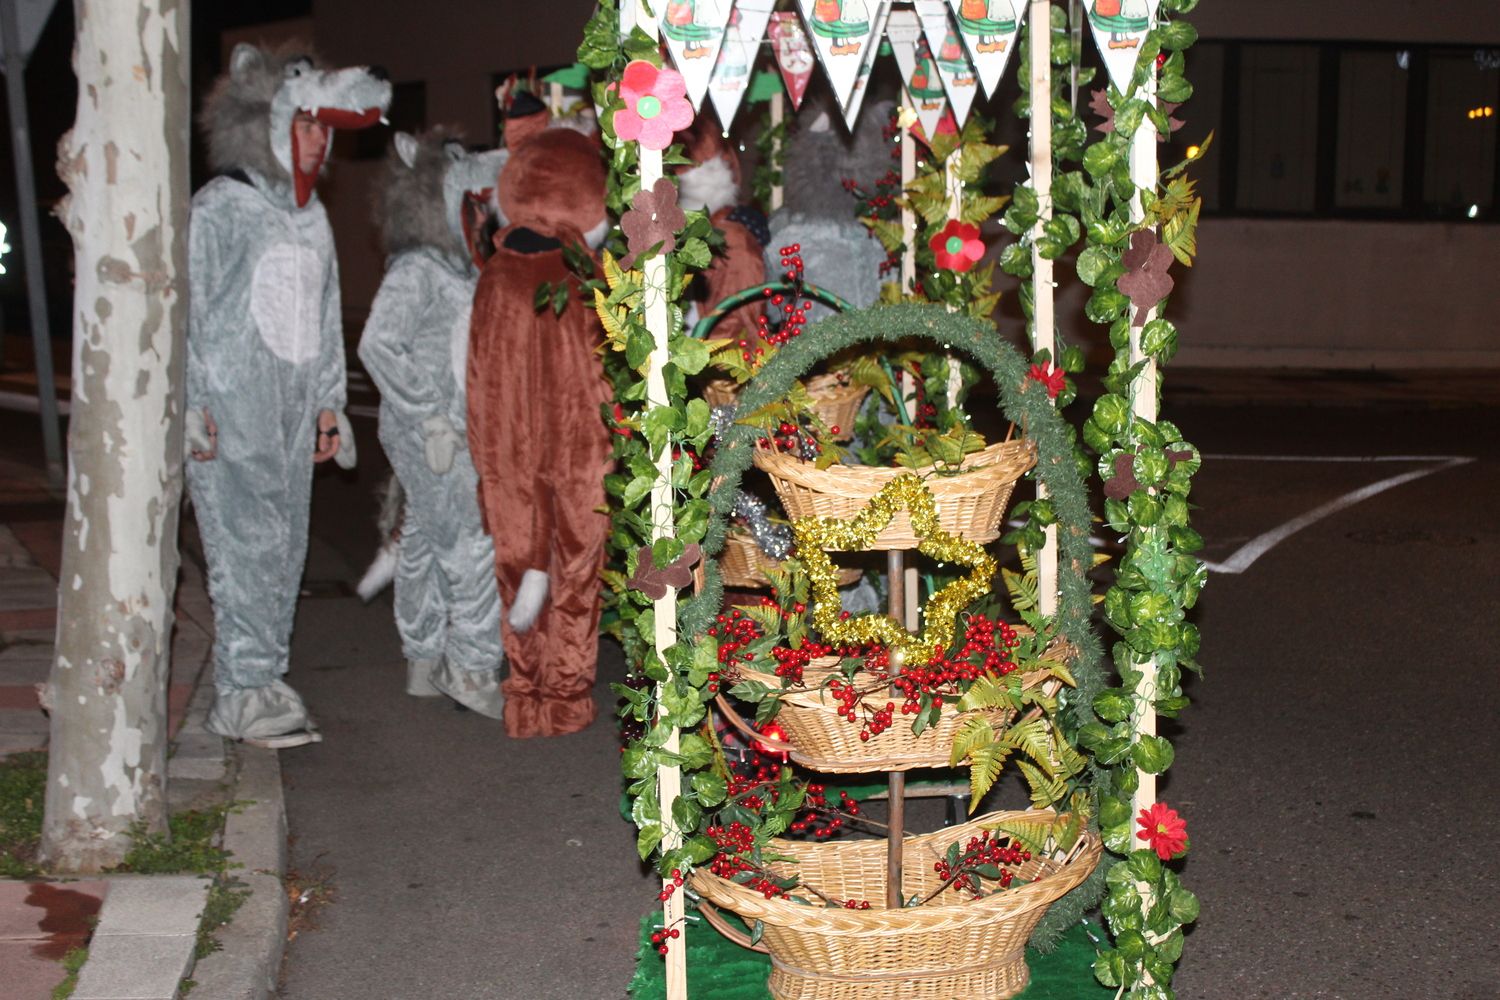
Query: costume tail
[(531, 595), (383, 568)]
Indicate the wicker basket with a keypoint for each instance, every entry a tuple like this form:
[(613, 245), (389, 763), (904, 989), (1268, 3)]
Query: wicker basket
[(742, 564), (835, 402), (944, 950), (817, 737), (970, 505)]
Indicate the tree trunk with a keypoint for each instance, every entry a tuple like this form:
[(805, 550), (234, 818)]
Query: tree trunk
[(126, 166)]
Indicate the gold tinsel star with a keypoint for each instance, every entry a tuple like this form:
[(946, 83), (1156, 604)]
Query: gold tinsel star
[(817, 535)]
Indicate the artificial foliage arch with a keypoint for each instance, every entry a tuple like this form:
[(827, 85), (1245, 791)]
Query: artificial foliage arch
[(1023, 400)]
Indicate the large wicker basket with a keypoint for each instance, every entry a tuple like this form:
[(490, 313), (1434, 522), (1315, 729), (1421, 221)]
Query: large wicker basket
[(817, 737), (742, 564), (953, 948), (834, 400), (970, 504)]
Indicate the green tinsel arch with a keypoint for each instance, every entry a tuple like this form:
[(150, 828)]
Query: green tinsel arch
[(1023, 401)]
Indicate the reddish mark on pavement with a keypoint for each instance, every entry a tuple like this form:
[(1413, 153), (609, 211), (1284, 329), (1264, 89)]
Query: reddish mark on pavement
[(67, 918)]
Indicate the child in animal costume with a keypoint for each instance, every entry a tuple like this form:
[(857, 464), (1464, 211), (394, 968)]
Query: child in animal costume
[(432, 212), (265, 365), (535, 389), (818, 213), (712, 184)]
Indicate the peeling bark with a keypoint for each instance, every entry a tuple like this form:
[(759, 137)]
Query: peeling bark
[(125, 163)]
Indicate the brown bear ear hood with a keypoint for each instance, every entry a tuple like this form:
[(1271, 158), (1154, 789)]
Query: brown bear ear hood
[(554, 184)]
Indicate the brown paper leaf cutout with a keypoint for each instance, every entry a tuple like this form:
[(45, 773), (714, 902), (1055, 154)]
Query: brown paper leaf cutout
[(653, 582)]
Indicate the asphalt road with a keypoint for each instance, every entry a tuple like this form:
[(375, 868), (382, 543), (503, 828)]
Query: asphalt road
[(1339, 770)]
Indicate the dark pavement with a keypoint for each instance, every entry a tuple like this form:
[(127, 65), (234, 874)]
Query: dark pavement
[(1338, 771)]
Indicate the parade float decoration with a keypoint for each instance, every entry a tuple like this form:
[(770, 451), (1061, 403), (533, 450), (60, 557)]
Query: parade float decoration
[(946, 913)]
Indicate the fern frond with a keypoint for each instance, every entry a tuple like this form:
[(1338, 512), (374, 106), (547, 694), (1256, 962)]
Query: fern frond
[(975, 733), (1045, 789), (985, 764)]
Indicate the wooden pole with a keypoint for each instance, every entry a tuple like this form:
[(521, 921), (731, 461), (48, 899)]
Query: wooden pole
[(657, 303), (895, 780), (778, 112), (1043, 315), (1143, 406)]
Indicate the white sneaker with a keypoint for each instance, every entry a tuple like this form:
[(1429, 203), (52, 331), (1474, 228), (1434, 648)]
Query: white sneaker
[(419, 678), (284, 741)]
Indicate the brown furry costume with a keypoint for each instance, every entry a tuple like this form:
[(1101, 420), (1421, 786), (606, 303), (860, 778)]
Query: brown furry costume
[(741, 266), (539, 443)]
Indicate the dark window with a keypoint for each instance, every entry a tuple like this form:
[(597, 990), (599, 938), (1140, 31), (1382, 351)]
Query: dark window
[(1345, 130)]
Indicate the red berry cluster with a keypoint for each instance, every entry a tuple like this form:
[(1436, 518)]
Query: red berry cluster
[(792, 306), (984, 849), (699, 464), (822, 820), (734, 632), (795, 440), (734, 842), (661, 937), (791, 662)]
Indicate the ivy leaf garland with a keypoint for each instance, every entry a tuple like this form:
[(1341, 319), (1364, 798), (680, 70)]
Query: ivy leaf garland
[(1146, 469)]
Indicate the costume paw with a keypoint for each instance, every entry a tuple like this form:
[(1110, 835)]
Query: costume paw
[(346, 456), (198, 439), (530, 597), (381, 572), (440, 442)]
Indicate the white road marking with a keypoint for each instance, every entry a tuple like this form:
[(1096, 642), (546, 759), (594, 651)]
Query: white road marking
[(1258, 546)]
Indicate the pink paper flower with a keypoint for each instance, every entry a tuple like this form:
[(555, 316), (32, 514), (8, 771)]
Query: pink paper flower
[(957, 246), (655, 105)]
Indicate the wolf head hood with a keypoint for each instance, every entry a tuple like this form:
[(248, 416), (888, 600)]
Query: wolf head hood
[(554, 185), (248, 115), (436, 193)]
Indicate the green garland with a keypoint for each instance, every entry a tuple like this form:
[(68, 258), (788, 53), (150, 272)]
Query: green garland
[(1149, 468)]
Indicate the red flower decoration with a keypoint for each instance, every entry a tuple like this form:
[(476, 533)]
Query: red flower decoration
[(621, 427), (1052, 377), (654, 217), (655, 105), (1164, 830), (957, 246), (1145, 280)]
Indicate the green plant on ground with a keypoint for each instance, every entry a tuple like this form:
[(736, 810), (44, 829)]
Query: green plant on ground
[(225, 897), (72, 962), (189, 845), (23, 786)]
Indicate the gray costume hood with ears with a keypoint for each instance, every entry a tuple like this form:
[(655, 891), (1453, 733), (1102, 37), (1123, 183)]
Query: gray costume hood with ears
[(431, 208), (265, 357)]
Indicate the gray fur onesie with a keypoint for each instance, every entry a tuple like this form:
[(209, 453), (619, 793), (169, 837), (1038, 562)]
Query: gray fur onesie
[(265, 356), (415, 347)]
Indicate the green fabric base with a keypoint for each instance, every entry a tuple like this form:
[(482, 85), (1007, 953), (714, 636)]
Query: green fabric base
[(718, 969)]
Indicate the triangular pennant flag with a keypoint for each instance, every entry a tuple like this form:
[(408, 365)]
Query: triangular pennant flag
[(952, 62), (918, 69), (857, 98), (840, 30), (794, 55), (693, 30), (1120, 26), (731, 77), (988, 29)]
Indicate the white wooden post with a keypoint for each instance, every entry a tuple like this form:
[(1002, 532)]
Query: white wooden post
[(1143, 173), (778, 112), (658, 321), (1043, 315)]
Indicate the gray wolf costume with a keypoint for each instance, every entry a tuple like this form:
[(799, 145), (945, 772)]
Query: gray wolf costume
[(818, 213), (432, 213), (265, 358)]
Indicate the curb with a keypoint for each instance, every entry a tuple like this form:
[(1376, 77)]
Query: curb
[(247, 965)]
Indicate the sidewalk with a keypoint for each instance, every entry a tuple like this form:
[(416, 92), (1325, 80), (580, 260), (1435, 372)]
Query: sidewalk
[(141, 931)]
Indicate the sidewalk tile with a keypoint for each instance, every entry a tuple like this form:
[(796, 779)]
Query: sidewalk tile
[(28, 975), (157, 905), (42, 911), (138, 967), (28, 618)]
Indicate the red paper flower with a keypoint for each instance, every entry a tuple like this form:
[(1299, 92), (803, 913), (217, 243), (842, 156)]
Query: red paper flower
[(654, 217), (655, 105), (1164, 830), (957, 246), (1052, 377), (1145, 280), (621, 427)]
